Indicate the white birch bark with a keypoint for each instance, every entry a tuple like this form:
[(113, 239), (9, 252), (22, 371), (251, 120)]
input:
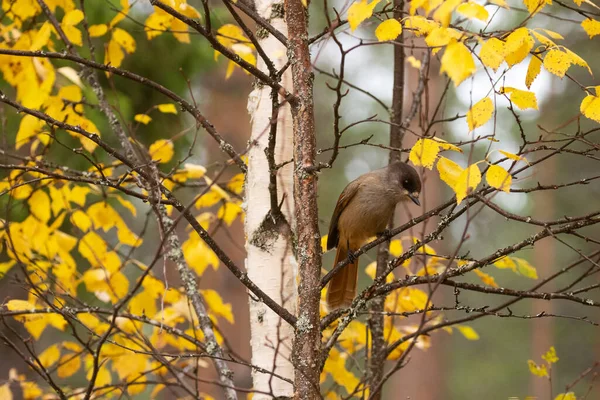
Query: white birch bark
[(270, 263)]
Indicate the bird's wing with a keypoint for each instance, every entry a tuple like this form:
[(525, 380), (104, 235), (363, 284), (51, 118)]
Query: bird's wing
[(347, 194)]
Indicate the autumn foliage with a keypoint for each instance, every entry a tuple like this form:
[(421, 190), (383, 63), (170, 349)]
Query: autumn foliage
[(93, 211)]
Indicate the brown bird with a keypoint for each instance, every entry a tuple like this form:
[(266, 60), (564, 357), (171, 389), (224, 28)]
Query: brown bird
[(363, 211)]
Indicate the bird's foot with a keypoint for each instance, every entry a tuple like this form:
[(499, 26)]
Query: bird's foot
[(352, 257), (385, 233)]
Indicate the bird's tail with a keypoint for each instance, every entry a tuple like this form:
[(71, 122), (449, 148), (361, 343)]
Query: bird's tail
[(342, 287)]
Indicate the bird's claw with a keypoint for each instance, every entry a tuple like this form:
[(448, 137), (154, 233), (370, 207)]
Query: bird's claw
[(385, 233), (352, 257)]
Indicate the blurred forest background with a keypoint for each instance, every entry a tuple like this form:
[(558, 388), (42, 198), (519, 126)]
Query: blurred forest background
[(495, 366)]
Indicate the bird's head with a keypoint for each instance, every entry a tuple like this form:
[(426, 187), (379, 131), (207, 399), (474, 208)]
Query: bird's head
[(408, 180)]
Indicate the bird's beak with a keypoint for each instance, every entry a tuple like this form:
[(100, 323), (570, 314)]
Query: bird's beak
[(414, 197)]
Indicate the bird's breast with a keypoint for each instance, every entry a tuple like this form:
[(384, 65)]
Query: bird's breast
[(367, 215)]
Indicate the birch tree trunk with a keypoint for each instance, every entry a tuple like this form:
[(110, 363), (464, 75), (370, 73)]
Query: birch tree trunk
[(269, 212)]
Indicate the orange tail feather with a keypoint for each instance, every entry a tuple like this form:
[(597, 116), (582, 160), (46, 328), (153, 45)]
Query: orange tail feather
[(342, 286)]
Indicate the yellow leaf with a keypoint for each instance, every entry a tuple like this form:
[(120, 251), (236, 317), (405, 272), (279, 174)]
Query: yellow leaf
[(30, 391), (142, 118), (441, 36), (98, 30), (473, 10), (533, 70), (335, 366), (550, 357), (179, 29), (5, 392), (72, 18), (543, 39), (566, 396), (411, 299), (457, 62), (228, 212), (39, 205), (68, 365), (591, 27), (214, 195), (114, 54), (30, 127), (105, 285), (486, 278), (74, 347), (538, 370), (521, 98), (501, 3), (156, 24), (78, 194), (518, 45), (467, 181), (5, 267), (41, 37), (449, 171), (445, 145), (19, 305), (557, 62), (167, 108), (130, 365), (534, 6), (396, 248), (506, 263), (388, 30), (492, 53), (590, 107), (575, 59), (120, 15), (513, 156), (468, 332), (128, 205), (414, 5), (216, 306), (198, 255), (93, 323), (230, 35), (81, 220), (236, 183), (324, 243), (552, 34), (443, 13), (424, 153), (413, 62), (72, 33), (525, 269), (480, 113), (124, 39), (93, 248), (420, 25), (102, 377), (49, 356), (371, 269), (497, 177), (71, 75), (36, 325), (359, 11), (230, 68), (160, 386), (190, 171), (162, 151)]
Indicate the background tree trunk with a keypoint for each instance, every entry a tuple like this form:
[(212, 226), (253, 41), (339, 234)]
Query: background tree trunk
[(269, 210)]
